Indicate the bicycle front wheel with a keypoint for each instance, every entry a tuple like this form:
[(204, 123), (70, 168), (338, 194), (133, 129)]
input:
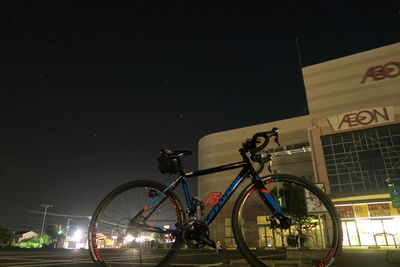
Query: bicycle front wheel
[(313, 238), (118, 236)]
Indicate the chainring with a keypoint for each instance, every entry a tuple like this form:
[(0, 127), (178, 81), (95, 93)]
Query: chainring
[(194, 232)]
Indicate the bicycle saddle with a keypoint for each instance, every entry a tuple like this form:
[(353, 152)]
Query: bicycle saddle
[(175, 153)]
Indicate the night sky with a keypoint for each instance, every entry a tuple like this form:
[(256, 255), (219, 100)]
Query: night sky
[(90, 94)]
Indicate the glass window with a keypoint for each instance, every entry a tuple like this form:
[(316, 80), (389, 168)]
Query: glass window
[(344, 178), (396, 140), (329, 157), (325, 140), (347, 160), (336, 139), (377, 228), (342, 169), (362, 159), (345, 235), (382, 131), (358, 187), (347, 137), (327, 150), (333, 179), (347, 188), (356, 177), (335, 189), (365, 232), (393, 231), (340, 156), (348, 146), (353, 234), (331, 169), (385, 141), (394, 129), (329, 162), (338, 148)]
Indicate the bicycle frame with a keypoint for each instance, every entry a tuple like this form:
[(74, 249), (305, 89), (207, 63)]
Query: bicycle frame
[(247, 170)]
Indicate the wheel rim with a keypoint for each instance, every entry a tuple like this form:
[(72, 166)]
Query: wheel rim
[(313, 236), (113, 239)]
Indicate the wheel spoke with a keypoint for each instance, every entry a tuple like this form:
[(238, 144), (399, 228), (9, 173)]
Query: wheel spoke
[(314, 235), (119, 242)]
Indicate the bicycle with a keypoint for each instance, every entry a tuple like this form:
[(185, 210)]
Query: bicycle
[(144, 223)]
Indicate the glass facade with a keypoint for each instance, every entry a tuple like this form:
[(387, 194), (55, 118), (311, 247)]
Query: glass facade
[(361, 160), (370, 224)]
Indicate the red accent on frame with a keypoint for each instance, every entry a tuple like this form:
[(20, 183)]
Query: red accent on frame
[(212, 199)]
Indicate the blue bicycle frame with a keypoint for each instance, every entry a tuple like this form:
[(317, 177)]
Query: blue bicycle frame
[(247, 171)]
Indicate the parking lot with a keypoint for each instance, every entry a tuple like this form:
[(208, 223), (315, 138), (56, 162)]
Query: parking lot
[(80, 258)]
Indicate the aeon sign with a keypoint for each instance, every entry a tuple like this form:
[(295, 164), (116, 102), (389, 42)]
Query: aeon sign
[(362, 118), (380, 72)]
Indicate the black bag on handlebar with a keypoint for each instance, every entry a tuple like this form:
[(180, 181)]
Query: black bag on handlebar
[(167, 165)]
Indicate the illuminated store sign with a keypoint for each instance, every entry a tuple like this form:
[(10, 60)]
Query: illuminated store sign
[(362, 118), (380, 72), (395, 196)]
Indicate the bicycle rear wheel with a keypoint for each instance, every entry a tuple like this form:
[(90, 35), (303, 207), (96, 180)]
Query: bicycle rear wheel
[(314, 236), (115, 241)]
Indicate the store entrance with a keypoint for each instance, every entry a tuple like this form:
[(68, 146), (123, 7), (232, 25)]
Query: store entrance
[(377, 232)]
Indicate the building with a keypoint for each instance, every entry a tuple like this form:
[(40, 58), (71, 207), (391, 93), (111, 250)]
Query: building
[(350, 142), (25, 235)]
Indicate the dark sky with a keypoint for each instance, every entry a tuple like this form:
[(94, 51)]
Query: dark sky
[(90, 94)]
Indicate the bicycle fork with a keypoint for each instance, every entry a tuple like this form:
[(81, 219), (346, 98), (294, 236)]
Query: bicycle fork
[(267, 198)]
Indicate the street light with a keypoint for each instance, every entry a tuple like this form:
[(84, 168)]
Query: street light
[(77, 235), (45, 206)]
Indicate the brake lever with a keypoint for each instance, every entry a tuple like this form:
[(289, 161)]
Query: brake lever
[(276, 139)]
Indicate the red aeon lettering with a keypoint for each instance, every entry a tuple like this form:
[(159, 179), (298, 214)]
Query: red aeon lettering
[(363, 117), (380, 72)]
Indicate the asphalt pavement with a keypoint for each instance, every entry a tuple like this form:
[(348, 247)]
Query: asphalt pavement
[(186, 258)]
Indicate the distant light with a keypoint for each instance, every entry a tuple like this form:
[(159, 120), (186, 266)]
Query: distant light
[(129, 238), (77, 235), (140, 239)]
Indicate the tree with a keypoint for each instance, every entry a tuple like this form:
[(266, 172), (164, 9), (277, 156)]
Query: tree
[(6, 236), (293, 204), (52, 233), (33, 242)]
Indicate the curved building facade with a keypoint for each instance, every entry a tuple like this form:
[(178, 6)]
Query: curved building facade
[(349, 143)]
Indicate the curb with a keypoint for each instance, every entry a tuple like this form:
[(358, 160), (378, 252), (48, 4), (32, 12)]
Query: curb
[(393, 256)]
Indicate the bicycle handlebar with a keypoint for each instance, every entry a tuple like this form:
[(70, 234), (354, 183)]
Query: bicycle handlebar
[(251, 145)]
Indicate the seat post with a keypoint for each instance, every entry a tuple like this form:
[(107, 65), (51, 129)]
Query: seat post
[(180, 166)]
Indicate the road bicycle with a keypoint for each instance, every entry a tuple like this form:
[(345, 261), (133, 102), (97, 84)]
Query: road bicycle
[(143, 222)]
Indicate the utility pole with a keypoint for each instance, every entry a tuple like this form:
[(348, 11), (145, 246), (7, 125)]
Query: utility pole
[(67, 231), (45, 206)]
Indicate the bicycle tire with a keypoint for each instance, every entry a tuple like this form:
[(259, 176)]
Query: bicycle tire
[(261, 240), (112, 243)]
